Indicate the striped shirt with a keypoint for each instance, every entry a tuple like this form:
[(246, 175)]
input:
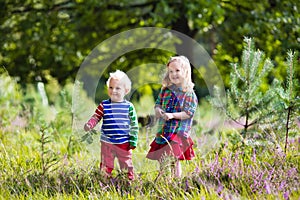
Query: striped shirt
[(119, 122), (172, 100)]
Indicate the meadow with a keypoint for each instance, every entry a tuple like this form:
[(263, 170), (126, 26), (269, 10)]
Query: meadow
[(42, 158)]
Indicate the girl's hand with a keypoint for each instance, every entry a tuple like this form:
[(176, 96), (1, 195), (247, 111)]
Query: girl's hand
[(168, 116), (159, 112)]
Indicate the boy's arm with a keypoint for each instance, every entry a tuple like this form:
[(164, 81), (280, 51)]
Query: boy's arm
[(134, 127), (96, 117)]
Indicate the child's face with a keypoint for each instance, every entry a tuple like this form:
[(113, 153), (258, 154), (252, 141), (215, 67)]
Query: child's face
[(116, 90), (176, 73)]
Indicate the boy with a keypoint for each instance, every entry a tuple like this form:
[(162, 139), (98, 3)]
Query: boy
[(119, 130)]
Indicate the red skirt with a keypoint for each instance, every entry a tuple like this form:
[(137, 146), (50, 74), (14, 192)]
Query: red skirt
[(179, 147)]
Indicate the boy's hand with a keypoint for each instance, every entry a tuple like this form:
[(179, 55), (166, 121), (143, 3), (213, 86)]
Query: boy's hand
[(87, 127)]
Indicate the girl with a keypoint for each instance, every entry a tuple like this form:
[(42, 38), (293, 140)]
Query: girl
[(175, 108)]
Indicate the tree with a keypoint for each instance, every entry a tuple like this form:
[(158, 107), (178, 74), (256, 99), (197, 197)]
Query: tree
[(42, 38), (246, 102), (287, 102)]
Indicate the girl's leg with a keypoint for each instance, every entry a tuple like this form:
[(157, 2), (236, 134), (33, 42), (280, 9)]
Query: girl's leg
[(165, 168), (178, 170)]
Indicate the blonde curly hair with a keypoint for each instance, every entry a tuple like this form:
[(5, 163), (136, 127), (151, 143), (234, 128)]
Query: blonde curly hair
[(122, 77), (184, 62)]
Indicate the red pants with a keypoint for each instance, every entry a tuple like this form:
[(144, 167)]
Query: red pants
[(120, 151)]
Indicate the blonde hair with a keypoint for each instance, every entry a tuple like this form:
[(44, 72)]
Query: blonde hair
[(122, 77), (184, 62)]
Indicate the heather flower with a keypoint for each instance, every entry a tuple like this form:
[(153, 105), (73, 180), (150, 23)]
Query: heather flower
[(286, 195), (267, 187), (220, 188)]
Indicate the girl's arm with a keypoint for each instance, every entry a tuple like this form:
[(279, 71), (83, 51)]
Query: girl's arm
[(188, 110), (177, 115)]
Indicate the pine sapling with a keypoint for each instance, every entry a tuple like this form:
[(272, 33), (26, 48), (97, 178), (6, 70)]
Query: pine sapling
[(246, 101), (287, 102)]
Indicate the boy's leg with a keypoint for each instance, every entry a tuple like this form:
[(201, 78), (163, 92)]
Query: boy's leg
[(125, 159), (107, 158)]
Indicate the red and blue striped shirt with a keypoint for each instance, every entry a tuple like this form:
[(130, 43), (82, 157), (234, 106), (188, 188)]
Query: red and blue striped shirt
[(119, 123)]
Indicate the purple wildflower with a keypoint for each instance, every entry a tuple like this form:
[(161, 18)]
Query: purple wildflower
[(286, 195), (220, 188), (187, 185), (267, 187), (282, 185), (197, 170)]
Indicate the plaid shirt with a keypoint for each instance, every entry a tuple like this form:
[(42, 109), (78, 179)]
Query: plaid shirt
[(172, 100)]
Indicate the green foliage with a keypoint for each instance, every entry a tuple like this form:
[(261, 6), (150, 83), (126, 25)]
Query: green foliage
[(10, 98), (88, 137), (287, 102), (247, 102), (272, 28), (43, 38), (261, 115), (49, 159)]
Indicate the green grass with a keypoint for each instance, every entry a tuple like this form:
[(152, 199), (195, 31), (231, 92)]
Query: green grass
[(76, 173)]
